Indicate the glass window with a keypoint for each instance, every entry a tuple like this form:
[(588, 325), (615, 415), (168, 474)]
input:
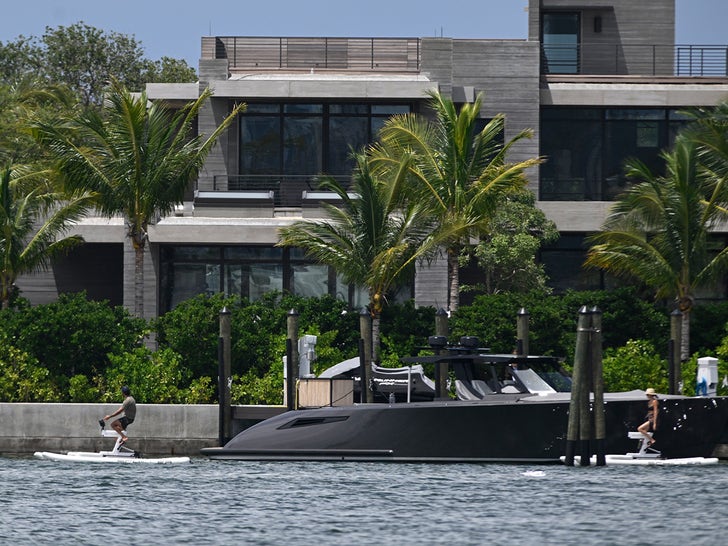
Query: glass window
[(586, 149), (573, 167), (260, 145), (560, 39), (189, 280), (262, 108), (193, 253), (296, 108), (310, 280), (390, 109), (345, 134), (256, 253), (360, 109), (264, 278), (302, 145)]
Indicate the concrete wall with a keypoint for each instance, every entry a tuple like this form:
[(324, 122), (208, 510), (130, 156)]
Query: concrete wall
[(159, 428)]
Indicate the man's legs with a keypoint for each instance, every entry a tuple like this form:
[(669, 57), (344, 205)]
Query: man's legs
[(117, 426)]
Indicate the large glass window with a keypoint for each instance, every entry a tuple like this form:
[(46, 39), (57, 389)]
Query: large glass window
[(586, 149), (560, 40), (248, 272), (306, 139)]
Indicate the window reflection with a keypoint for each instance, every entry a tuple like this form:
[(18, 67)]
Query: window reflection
[(586, 149), (248, 272)]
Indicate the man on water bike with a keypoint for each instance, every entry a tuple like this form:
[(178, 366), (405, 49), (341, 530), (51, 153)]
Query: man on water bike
[(128, 408)]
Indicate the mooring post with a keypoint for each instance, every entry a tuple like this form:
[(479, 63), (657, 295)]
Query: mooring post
[(577, 381), (365, 329), (291, 358), (442, 369), (675, 372), (522, 332), (585, 416), (600, 427), (224, 376)]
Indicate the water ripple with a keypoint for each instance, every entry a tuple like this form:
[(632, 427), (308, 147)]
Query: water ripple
[(321, 504)]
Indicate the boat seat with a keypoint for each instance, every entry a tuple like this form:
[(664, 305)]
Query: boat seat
[(481, 387), (464, 393)]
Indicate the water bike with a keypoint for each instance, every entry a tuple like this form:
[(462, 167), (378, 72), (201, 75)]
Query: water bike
[(646, 455), (119, 454)]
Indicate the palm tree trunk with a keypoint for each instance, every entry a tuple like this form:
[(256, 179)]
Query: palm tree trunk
[(685, 337), (138, 278), (376, 320), (453, 274)]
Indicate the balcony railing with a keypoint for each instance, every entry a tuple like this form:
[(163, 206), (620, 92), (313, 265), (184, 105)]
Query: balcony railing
[(636, 60), (355, 54), (287, 189)]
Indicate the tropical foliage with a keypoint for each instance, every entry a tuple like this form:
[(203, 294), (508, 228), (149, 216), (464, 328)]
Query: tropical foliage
[(138, 159), (506, 254), (372, 239), (33, 220), (658, 232), (460, 173), (84, 59)]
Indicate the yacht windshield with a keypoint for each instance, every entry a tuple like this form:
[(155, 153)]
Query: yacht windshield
[(532, 381)]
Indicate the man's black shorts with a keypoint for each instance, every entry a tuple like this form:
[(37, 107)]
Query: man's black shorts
[(125, 422)]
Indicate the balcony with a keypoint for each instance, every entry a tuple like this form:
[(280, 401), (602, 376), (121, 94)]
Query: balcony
[(636, 60), (349, 54), (262, 194)]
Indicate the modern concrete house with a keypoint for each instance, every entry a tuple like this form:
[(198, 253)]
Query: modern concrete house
[(598, 82)]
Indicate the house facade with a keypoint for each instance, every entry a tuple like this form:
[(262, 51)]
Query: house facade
[(597, 82)]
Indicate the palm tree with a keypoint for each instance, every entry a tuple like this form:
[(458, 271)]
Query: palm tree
[(138, 158), (460, 173), (658, 230), (32, 220), (372, 239)]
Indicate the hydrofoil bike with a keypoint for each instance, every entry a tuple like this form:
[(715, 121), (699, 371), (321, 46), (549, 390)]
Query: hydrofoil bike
[(119, 454)]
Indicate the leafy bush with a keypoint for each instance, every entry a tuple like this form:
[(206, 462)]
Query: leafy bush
[(21, 378), (80, 389), (250, 388), (634, 366), (154, 378), (73, 335)]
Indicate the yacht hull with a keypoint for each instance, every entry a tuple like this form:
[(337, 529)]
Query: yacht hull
[(506, 428)]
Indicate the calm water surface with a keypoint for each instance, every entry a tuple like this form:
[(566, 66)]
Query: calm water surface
[(220, 502)]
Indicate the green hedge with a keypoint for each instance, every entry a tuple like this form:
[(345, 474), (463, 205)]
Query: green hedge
[(82, 351)]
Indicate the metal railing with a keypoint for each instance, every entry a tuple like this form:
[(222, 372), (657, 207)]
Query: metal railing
[(356, 54), (287, 189), (636, 60)]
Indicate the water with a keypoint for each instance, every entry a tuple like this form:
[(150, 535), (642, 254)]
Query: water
[(226, 502)]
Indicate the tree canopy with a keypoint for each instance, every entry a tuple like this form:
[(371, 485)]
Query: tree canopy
[(85, 59)]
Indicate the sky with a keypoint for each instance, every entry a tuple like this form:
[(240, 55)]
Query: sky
[(173, 28)]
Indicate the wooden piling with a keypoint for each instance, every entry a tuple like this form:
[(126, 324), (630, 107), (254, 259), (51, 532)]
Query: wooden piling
[(600, 426), (225, 375), (441, 330), (365, 329), (522, 332), (578, 380)]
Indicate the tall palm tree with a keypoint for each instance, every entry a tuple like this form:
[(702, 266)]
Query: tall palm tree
[(33, 219), (371, 239), (138, 158), (459, 172), (658, 230)]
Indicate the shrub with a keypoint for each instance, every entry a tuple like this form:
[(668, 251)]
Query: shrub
[(154, 378), (74, 335), (634, 366), (22, 379)]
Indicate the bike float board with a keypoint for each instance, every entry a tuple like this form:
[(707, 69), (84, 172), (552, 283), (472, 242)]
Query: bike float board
[(92, 457), (646, 461)]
